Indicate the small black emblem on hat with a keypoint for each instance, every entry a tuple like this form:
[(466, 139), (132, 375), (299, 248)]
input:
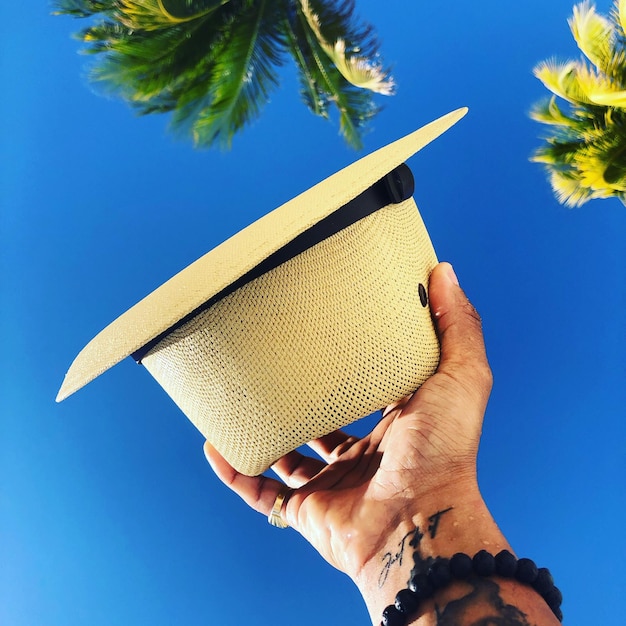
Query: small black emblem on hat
[(423, 295)]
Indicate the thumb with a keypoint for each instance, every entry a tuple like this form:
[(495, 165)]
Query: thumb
[(463, 356)]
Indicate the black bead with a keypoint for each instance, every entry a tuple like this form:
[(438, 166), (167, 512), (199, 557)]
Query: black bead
[(393, 617), (553, 597), (407, 602), (506, 564), (421, 586), (442, 571), (439, 573), (526, 571), (544, 581), (484, 563), (461, 565)]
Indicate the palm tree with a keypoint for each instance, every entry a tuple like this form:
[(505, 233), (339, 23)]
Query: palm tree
[(213, 63), (586, 154)]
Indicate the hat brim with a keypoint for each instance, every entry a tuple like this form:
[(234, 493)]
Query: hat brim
[(215, 271)]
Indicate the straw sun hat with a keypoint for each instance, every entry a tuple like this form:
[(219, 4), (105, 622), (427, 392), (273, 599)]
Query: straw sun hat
[(312, 317)]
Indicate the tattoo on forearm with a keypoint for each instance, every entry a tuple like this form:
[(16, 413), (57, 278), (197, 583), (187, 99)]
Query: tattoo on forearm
[(417, 537), (478, 602), (434, 522), (390, 558), (482, 606)]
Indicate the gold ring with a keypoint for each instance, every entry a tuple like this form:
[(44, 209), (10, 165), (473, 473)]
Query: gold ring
[(275, 518)]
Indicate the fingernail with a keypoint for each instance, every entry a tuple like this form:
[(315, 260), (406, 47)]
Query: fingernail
[(451, 274), (207, 450)]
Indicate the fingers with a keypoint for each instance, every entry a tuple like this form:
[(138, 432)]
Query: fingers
[(460, 330), (259, 492), (295, 469), (463, 356), (331, 446), (458, 323)]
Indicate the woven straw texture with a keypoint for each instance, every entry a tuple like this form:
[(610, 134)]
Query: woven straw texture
[(219, 268), (326, 338)]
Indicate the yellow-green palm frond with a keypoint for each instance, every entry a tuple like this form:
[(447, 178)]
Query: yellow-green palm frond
[(325, 84), (619, 15), (569, 191), (156, 14), (562, 79), (549, 112), (143, 15), (593, 33), (573, 189), (601, 167), (360, 71), (82, 8), (598, 88), (586, 160), (609, 98), (585, 156)]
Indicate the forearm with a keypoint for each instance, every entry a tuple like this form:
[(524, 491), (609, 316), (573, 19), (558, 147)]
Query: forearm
[(459, 522)]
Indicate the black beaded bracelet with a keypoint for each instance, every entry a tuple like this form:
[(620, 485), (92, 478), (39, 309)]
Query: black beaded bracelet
[(443, 571)]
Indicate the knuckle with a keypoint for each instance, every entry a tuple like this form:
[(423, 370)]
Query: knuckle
[(485, 375), (343, 447), (470, 310), (481, 369)]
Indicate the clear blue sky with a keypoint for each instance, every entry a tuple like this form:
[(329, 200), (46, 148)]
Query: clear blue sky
[(109, 513)]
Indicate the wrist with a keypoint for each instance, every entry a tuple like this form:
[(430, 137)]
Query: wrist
[(441, 525)]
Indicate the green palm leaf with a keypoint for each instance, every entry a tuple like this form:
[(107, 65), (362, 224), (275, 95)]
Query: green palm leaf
[(357, 69), (322, 83), (183, 10), (243, 74), (213, 63), (82, 8)]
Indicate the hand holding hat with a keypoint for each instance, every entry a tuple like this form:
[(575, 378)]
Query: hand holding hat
[(310, 318), (412, 480), (422, 446)]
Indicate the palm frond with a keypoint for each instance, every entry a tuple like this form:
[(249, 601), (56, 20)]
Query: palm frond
[(597, 87), (359, 70), (549, 112), (322, 83), (593, 34), (183, 10), (562, 79), (592, 156), (585, 156), (618, 63), (212, 63), (618, 13), (151, 15), (214, 72), (82, 8), (141, 65), (608, 97), (242, 76), (143, 14), (569, 191)]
